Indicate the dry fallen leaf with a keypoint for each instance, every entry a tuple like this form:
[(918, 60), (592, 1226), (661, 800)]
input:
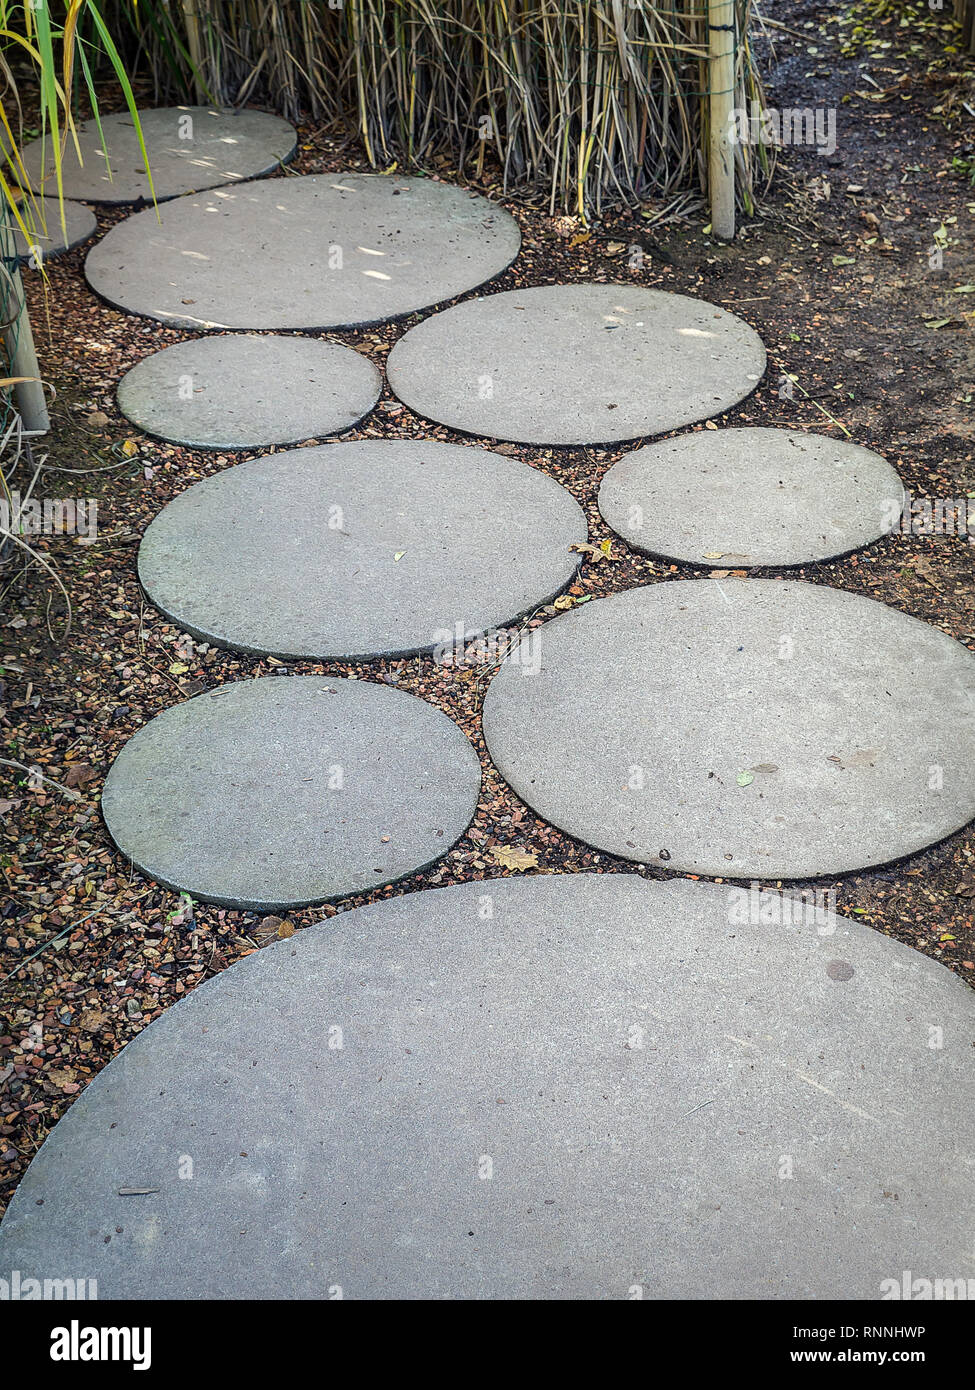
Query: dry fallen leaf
[(863, 757), (922, 566), (78, 774), (510, 857), (596, 553), (61, 1076)]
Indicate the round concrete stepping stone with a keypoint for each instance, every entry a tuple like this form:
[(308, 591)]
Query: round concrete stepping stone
[(576, 364), (746, 497), (321, 251), (242, 391), (741, 727), (48, 239), (189, 148), (361, 549), (290, 790), (574, 1087)]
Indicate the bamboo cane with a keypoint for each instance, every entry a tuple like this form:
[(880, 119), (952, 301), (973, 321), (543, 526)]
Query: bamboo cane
[(191, 15), (29, 396), (721, 68)]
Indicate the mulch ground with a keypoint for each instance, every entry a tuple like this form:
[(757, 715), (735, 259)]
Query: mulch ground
[(866, 335)]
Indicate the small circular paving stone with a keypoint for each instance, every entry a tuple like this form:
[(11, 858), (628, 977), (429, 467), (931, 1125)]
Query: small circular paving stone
[(48, 234), (741, 727), (320, 251), (241, 391), (745, 497), (361, 549), (562, 1087), (290, 790), (576, 364), (189, 147)]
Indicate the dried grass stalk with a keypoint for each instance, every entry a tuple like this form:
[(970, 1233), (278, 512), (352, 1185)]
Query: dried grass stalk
[(584, 103)]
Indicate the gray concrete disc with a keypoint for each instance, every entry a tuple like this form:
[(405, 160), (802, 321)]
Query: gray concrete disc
[(322, 251), (746, 497), (741, 727), (290, 790), (576, 364), (48, 237), (243, 391), (189, 148), (573, 1087), (361, 549)]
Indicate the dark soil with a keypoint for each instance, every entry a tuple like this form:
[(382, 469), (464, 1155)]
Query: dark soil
[(865, 337)]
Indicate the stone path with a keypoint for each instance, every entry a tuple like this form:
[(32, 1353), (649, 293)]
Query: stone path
[(190, 147), (324, 251), (80, 222), (576, 364), (745, 497), (377, 547), (553, 1087), (242, 391), (584, 1087), (741, 728), (285, 791)]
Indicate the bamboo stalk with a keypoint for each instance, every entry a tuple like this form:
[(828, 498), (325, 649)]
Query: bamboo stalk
[(29, 395), (191, 18), (721, 71)]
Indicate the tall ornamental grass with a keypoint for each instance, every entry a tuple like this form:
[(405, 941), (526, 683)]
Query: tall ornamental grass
[(579, 103)]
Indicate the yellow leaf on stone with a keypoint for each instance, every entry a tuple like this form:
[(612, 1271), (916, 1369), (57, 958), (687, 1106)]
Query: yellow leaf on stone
[(129, 448), (178, 669)]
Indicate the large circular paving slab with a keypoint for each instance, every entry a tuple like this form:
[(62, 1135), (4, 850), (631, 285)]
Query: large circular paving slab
[(244, 391), (320, 251), (567, 1087), (576, 364), (741, 727), (189, 147), (361, 549), (283, 791), (745, 497), (43, 218)]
